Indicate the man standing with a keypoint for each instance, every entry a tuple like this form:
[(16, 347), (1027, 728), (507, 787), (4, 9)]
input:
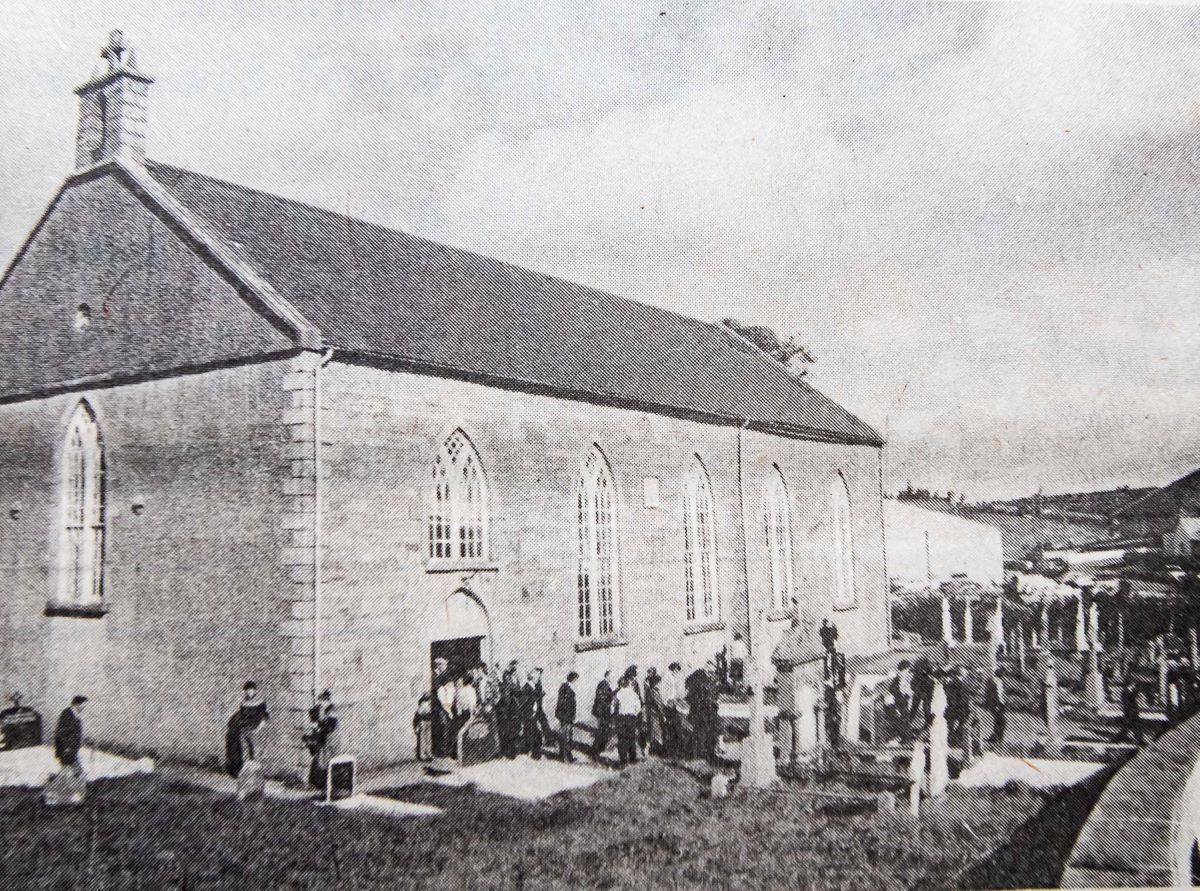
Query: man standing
[(1131, 714), (995, 700), (702, 706), (627, 706), (675, 743), (602, 704), (68, 735), (958, 706), (829, 635), (322, 724), (508, 716), (564, 713), (251, 715)]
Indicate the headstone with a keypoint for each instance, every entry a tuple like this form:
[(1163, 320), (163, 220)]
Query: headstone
[(478, 741), (1093, 684), (806, 719), (68, 787), (1053, 739), (939, 744), (250, 781), (916, 777), (885, 804), (719, 785), (342, 777)]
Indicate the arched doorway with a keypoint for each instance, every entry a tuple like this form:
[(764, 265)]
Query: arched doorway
[(462, 634)]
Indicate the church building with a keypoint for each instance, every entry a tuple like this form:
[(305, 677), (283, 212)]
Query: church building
[(243, 438)]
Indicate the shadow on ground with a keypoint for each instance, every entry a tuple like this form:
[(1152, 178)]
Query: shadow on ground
[(1036, 853)]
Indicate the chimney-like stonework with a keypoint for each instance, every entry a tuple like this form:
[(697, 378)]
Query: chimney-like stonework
[(112, 108)]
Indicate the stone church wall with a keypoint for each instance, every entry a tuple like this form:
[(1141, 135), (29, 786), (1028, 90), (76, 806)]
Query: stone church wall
[(381, 599), (197, 481)]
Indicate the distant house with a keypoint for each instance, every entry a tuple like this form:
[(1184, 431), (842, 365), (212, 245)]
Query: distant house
[(1159, 512), (932, 546), (1184, 539)]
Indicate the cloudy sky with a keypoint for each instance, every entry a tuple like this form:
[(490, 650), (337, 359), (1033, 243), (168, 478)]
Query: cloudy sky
[(982, 218)]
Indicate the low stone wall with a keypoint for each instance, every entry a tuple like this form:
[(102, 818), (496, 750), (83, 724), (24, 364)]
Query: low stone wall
[(1141, 831)]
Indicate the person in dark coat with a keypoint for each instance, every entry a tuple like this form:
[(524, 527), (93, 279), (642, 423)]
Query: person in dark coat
[(541, 724), (1131, 713), (995, 700), (602, 712), (922, 690), (508, 712), (322, 723), (565, 713), (655, 714), (68, 734), (958, 706), (829, 635), (702, 706), (251, 715)]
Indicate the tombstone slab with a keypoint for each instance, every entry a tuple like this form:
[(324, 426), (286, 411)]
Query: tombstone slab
[(478, 742)]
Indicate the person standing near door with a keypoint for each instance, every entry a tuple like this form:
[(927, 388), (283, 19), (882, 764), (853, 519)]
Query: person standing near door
[(564, 713), (602, 711)]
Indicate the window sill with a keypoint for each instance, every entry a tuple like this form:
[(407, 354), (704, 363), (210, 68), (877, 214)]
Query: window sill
[(76, 610), (780, 615), (845, 607), (704, 627), (441, 564), (599, 643)]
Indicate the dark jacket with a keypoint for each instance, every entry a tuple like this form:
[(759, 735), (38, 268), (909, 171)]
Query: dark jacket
[(602, 703), (564, 708), (68, 737), (993, 700)]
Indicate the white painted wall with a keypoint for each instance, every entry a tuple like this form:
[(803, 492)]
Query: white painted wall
[(955, 545)]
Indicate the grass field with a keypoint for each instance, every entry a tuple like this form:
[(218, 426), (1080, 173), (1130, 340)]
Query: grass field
[(652, 827)]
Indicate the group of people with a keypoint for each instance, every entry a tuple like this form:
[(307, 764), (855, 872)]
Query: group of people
[(908, 701), (672, 715), (244, 727)]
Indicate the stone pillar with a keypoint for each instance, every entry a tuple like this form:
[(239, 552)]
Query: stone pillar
[(1081, 635), (968, 621), (758, 766), (947, 621), (1094, 623), (939, 744), (1163, 692), (1093, 684), (1053, 736)]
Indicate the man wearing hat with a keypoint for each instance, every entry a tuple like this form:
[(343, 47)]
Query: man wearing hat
[(68, 735)]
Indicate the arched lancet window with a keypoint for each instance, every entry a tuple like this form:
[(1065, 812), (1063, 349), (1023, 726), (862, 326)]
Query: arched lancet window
[(458, 518), (81, 579), (843, 545), (699, 547), (777, 518), (596, 521)]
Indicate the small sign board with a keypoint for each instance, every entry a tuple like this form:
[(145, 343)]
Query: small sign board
[(341, 778), (478, 741)]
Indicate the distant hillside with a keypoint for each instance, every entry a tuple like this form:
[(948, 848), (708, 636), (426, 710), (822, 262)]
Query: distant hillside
[(1105, 504)]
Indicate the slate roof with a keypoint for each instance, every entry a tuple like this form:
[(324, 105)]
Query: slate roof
[(1181, 497), (387, 294)]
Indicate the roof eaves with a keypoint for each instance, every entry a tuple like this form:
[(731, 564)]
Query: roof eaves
[(424, 366)]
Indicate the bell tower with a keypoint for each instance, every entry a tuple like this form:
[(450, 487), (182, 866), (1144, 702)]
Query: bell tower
[(112, 108)]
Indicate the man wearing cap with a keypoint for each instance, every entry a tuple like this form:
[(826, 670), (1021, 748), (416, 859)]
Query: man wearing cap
[(68, 735)]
